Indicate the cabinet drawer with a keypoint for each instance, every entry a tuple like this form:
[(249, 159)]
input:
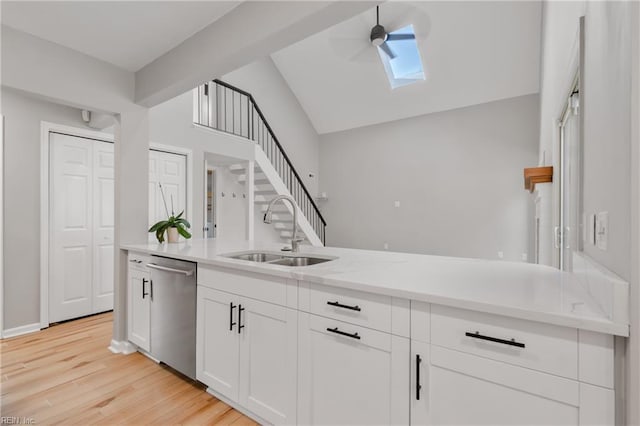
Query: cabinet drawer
[(365, 309), (138, 261), (256, 286), (538, 346)]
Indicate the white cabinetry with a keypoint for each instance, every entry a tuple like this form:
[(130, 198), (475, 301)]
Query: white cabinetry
[(247, 348), (352, 369), (486, 369), (139, 300)]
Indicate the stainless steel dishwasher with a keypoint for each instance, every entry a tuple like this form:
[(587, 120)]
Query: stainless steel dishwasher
[(173, 313)]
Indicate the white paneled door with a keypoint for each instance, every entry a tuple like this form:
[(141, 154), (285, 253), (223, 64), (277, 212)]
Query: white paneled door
[(169, 170), (81, 225)]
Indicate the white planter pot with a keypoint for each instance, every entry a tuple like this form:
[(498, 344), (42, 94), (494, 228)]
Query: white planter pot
[(172, 235)]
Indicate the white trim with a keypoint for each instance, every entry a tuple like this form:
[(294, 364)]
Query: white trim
[(19, 331), (189, 172), (1, 226), (122, 347), (45, 128)]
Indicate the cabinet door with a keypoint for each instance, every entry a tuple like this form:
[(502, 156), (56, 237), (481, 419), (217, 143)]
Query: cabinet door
[(217, 343), (139, 309), (359, 377), (268, 360), (467, 389)]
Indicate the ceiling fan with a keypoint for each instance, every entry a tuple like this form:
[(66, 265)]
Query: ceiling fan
[(380, 37)]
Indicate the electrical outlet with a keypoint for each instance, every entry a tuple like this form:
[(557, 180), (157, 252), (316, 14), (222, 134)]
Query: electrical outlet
[(500, 255), (525, 257), (602, 230), (396, 204), (386, 246)]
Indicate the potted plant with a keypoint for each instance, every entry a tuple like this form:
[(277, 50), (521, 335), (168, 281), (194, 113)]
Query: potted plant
[(173, 225)]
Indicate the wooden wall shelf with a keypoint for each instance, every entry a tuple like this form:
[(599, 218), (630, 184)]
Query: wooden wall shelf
[(535, 175)]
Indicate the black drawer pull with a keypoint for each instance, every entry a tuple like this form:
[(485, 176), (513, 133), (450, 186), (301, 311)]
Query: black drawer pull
[(342, 333), (144, 281), (340, 305), (240, 325), (418, 385), (511, 342), (231, 308)]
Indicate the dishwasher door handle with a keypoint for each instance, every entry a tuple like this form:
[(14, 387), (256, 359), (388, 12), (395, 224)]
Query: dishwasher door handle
[(188, 273)]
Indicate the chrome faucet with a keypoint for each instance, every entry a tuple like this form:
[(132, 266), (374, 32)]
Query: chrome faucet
[(295, 242)]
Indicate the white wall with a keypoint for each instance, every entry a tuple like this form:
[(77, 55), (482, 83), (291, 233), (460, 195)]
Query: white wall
[(23, 115), (172, 124), (65, 76), (285, 115), (457, 175), (606, 106)]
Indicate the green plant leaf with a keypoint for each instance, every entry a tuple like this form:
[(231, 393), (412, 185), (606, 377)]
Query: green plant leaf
[(179, 215), (183, 232), (160, 235), (184, 222)]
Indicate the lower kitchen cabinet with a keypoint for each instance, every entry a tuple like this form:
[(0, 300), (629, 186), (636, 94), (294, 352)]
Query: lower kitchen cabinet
[(452, 387), (247, 352), (139, 313), (350, 374)]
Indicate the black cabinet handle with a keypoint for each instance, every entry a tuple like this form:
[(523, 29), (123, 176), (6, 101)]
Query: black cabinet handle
[(343, 333), (151, 289), (240, 325), (231, 323), (144, 281), (340, 305), (511, 342), (418, 385)]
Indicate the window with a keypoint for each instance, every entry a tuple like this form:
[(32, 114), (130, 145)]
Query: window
[(406, 67)]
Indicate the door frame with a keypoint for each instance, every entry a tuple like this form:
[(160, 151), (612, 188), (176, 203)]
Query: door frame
[(1, 226), (214, 169), (45, 128), (178, 150)]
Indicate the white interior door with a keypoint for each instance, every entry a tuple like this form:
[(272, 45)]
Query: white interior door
[(169, 170), (103, 226), (81, 227)]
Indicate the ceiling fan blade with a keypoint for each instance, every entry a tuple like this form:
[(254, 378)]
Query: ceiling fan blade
[(386, 49), (394, 37)]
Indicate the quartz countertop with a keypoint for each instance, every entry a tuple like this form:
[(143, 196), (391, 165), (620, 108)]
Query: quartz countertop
[(513, 289)]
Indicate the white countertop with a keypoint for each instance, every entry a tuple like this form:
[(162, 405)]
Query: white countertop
[(520, 290)]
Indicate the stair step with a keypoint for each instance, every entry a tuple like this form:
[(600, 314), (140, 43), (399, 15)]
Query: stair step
[(259, 179), (265, 192), (240, 169), (289, 234)]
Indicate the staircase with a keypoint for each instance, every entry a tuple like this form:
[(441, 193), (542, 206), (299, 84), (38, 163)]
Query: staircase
[(228, 109)]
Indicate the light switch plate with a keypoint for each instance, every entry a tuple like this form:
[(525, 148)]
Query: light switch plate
[(602, 230)]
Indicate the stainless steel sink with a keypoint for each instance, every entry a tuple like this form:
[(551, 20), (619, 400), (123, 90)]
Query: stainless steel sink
[(278, 259), (257, 257), (299, 261)]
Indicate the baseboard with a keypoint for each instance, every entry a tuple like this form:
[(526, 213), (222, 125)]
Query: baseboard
[(123, 347), (237, 407), (23, 329)]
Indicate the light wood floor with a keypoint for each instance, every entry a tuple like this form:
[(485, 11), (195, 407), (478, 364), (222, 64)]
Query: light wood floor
[(66, 375)]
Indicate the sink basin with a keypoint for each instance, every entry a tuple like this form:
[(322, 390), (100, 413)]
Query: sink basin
[(299, 261), (257, 257), (278, 259)]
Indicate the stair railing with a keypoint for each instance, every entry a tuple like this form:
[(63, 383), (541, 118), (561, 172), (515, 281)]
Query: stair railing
[(229, 109)]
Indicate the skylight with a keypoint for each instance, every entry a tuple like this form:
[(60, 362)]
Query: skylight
[(406, 67)]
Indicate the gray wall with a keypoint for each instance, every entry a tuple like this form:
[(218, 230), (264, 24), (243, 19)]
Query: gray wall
[(22, 201), (457, 175), (284, 114)]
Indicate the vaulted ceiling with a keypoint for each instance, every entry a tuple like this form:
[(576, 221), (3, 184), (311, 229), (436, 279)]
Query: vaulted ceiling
[(473, 52)]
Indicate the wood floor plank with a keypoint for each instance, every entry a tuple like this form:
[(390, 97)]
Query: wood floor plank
[(67, 375)]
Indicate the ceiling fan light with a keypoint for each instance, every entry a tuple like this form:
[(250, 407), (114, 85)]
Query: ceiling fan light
[(378, 35)]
